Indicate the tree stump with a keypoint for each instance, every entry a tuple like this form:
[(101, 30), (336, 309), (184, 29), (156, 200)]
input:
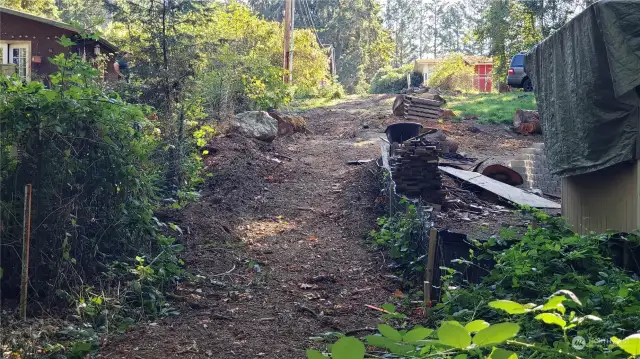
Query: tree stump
[(527, 122), (398, 106)]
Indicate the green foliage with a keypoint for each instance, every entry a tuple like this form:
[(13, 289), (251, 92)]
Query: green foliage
[(400, 235), (390, 80), (511, 28), (453, 73), (237, 65), (552, 262), (354, 29), (491, 107), (87, 154), (479, 339), (46, 8)]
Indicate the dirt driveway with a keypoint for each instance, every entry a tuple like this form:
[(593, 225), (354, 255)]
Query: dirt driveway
[(277, 241)]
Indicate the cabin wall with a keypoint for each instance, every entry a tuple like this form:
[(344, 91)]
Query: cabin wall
[(603, 200), (43, 39)]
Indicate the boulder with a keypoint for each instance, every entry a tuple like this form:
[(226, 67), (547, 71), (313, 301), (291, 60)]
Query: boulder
[(255, 124)]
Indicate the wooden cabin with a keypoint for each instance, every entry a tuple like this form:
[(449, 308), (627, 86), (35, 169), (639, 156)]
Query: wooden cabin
[(28, 41)]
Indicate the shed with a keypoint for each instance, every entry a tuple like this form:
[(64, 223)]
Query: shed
[(28, 41), (482, 67), (586, 77)]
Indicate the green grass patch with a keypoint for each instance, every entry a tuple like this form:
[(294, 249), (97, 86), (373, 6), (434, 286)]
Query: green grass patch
[(491, 107)]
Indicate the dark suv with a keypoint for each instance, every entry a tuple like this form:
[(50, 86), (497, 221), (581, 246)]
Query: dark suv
[(516, 76)]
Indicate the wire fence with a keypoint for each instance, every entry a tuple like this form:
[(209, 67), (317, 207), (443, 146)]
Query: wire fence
[(452, 249)]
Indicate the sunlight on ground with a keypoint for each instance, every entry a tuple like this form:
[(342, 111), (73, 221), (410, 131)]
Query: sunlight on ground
[(253, 231), (312, 103), (365, 143)]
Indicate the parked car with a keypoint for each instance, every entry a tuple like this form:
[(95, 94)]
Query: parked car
[(517, 77)]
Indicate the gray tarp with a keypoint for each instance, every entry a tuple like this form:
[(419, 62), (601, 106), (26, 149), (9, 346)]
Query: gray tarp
[(586, 77)]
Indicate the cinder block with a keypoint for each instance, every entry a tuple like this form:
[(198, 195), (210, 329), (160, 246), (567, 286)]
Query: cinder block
[(533, 151)]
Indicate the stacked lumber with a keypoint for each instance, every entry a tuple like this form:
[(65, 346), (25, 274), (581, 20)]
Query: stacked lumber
[(416, 108), (414, 170)]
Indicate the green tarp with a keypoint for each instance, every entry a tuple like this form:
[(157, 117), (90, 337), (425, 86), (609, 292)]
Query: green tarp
[(586, 78)]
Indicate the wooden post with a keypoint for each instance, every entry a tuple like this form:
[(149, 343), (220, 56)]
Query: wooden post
[(289, 7), (26, 239), (431, 256)]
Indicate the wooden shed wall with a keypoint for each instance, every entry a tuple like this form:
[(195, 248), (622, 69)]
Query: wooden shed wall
[(44, 43), (603, 200)]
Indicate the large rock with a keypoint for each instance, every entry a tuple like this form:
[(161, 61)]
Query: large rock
[(255, 124)]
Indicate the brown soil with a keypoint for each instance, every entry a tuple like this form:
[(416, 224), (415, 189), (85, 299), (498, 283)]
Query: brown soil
[(278, 240)]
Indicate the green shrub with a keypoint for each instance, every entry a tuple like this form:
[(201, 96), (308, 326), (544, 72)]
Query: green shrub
[(87, 154), (544, 260), (401, 236), (390, 80), (452, 73)]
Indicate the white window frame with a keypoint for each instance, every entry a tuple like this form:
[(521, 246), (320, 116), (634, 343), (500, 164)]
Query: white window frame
[(7, 55)]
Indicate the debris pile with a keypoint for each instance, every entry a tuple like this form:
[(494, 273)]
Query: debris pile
[(414, 169)]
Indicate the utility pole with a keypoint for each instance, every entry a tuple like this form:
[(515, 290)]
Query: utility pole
[(289, 6)]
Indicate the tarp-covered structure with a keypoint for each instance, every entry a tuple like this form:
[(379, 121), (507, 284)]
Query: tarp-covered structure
[(586, 78)]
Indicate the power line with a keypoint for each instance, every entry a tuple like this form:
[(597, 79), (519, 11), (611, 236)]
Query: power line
[(313, 25)]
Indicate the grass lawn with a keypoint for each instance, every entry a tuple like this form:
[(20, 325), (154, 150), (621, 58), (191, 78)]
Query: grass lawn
[(491, 107)]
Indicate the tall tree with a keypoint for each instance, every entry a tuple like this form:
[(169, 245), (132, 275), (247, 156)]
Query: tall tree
[(353, 28), (46, 8), (88, 14), (509, 27)]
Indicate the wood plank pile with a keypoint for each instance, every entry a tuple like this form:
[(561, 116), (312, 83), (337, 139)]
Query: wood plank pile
[(414, 170), (416, 108)]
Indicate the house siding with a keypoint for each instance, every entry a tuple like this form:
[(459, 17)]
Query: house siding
[(603, 200), (43, 38)]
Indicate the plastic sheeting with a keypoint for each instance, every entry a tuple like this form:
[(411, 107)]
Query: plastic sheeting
[(586, 78)]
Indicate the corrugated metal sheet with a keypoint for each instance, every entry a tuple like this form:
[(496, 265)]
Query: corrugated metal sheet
[(603, 200)]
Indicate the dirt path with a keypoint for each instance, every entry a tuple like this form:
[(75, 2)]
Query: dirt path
[(278, 239)]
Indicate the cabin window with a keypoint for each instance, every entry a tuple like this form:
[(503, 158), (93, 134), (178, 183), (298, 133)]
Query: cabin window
[(18, 54)]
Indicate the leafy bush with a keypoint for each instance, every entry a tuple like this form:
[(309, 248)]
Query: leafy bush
[(401, 236), (237, 65), (332, 91), (87, 155), (390, 80), (480, 339), (452, 73)]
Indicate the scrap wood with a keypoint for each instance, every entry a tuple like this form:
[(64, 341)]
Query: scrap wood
[(378, 309), (500, 189)]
